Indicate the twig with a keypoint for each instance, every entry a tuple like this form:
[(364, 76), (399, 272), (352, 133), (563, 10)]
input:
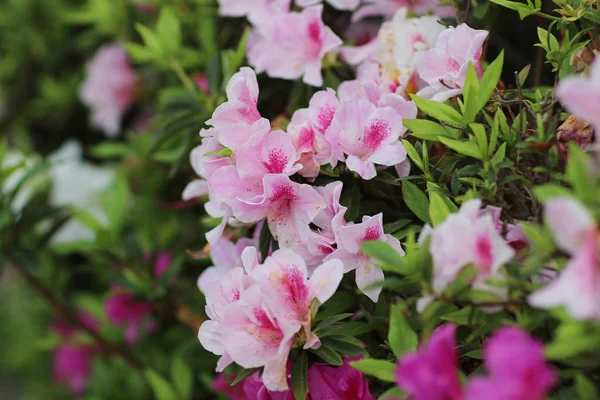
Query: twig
[(67, 315)]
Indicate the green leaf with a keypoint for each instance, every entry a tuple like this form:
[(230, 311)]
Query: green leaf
[(428, 130), (110, 149), (168, 30), (182, 377), (160, 386), (346, 345), (470, 94), (585, 388), (390, 258), (578, 174), (139, 53), (466, 148), (481, 137), (243, 375), (490, 81), (381, 369), (401, 337), (416, 200), (413, 154), (328, 355), (524, 10), (549, 191), (151, 41), (437, 110), (392, 394), (438, 208), (523, 74), (116, 202), (299, 376), (87, 219), (500, 155)]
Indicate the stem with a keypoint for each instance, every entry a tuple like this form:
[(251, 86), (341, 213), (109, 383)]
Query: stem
[(67, 314), (183, 77), (548, 16)]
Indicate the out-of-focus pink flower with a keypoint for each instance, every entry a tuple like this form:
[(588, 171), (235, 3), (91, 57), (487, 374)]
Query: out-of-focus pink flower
[(578, 286), (432, 372), (389, 7), (292, 45), (73, 361), (202, 82), (401, 44), (348, 251), (516, 366), (222, 383), (514, 235), (363, 135), (581, 95), (240, 8), (109, 88), (339, 4), (468, 237), (73, 366), (444, 67), (344, 382), (122, 309)]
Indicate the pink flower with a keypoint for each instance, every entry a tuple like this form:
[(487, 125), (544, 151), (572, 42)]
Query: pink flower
[(109, 88), (578, 286), (204, 161), (468, 237), (202, 82), (307, 132), (122, 309), (344, 382), (445, 66), (581, 95), (331, 218), (73, 361), (73, 366), (339, 4), (348, 251), (255, 389), (240, 8), (289, 207), (389, 7), (284, 280), (432, 372), (222, 384), (292, 45), (516, 366), (367, 135), (162, 263)]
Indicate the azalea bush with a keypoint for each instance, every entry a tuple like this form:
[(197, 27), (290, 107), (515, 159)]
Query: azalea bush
[(277, 199)]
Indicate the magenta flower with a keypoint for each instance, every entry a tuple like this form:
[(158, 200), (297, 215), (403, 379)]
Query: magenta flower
[(109, 88), (343, 383), (444, 67), (578, 286), (162, 263), (122, 309), (516, 366), (292, 45), (255, 389), (222, 384), (73, 361), (581, 95), (432, 372)]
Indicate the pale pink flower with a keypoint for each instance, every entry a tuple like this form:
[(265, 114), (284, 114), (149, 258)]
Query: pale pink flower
[(289, 207), (204, 161), (349, 252), (307, 131), (240, 8), (468, 237), (253, 336), (444, 67), (109, 88), (331, 218), (577, 288), (363, 135), (389, 7), (284, 280), (432, 372), (581, 95), (339, 4), (516, 366), (402, 42), (292, 45)]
